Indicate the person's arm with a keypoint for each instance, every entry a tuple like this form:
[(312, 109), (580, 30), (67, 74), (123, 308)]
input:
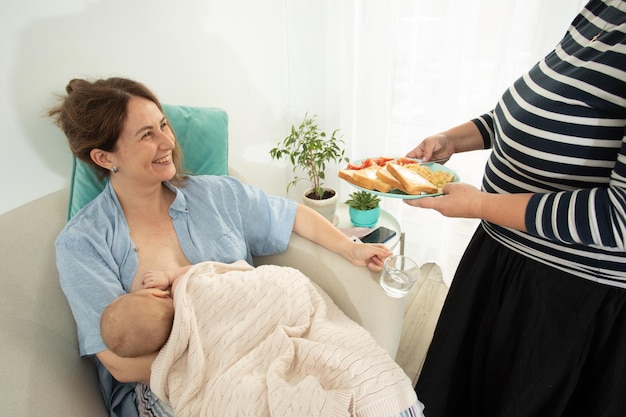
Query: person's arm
[(464, 200), (313, 226), (127, 369), (462, 138)]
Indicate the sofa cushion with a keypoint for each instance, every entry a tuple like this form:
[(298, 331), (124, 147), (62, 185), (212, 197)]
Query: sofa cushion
[(202, 133)]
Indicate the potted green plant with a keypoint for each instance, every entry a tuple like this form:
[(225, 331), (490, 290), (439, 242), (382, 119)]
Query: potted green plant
[(364, 208), (309, 150)]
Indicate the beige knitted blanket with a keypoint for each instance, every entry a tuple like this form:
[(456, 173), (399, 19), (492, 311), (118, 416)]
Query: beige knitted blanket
[(267, 341)]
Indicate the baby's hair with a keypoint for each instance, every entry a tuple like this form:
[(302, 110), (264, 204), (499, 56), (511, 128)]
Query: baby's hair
[(131, 327)]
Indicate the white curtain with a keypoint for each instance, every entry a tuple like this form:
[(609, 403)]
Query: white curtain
[(391, 72)]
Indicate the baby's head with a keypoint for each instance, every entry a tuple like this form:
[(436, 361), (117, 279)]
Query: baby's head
[(138, 323)]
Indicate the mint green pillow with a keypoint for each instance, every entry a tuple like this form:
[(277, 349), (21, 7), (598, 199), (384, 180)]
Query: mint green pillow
[(202, 133)]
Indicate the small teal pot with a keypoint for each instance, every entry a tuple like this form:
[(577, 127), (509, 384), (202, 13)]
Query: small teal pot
[(364, 218)]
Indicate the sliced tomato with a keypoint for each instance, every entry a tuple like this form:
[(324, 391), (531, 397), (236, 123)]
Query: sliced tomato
[(405, 161), (382, 160)]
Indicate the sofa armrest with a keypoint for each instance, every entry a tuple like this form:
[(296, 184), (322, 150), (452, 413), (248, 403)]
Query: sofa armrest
[(354, 289), (42, 373)]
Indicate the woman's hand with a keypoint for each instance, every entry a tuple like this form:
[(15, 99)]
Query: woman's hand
[(462, 138), (372, 255), (465, 200), (433, 147), (459, 200)]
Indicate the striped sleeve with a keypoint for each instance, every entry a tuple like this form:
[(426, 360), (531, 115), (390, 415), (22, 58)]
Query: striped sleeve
[(484, 124), (587, 217)]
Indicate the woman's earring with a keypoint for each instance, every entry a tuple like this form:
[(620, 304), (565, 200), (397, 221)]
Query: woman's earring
[(114, 169)]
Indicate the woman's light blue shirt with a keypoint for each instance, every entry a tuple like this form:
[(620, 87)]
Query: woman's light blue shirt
[(215, 218)]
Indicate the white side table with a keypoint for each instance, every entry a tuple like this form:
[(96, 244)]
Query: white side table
[(386, 220)]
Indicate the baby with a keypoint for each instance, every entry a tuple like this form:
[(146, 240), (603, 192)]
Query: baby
[(342, 358), (139, 323)]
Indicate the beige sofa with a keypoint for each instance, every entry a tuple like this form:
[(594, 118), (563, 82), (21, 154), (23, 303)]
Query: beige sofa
[(42, 374)]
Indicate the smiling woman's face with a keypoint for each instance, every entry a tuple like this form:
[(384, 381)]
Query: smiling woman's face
[(144, 149)]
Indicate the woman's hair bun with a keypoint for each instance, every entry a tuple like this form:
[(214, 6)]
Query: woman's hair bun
[(72, 85)]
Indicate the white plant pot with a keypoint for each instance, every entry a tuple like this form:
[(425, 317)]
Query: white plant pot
[(326, 207)]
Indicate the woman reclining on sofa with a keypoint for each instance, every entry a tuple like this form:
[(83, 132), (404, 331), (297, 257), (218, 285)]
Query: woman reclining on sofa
[(151, 216)]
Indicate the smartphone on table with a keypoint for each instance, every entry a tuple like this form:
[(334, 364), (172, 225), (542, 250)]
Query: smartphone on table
[(379, 235)]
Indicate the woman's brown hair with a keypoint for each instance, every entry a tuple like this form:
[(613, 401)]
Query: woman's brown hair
[(92, 116)]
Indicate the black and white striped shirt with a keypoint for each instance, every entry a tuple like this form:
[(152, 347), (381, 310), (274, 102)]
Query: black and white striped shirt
[(559, 132)]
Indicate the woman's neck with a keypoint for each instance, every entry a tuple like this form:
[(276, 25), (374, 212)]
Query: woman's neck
[(144, 201)]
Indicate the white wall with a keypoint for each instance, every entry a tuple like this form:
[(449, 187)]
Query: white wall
[(265, 62), (228, 54)]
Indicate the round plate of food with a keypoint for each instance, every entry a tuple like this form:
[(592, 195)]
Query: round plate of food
[(401, 177)]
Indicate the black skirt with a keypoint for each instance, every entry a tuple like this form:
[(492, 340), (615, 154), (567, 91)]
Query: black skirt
[(517, 338)]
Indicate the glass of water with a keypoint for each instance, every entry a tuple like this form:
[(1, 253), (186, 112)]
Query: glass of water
[(400, 273)]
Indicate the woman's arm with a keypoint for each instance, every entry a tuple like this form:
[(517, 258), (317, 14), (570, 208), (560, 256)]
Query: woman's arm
[(462, 138), (315, 227), (128, 369), (464, 200)]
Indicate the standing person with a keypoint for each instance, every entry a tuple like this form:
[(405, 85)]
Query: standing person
[(151, 216), (534, 323)]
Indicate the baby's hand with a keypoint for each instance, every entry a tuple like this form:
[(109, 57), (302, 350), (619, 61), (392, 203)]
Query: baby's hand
[(156, 279)]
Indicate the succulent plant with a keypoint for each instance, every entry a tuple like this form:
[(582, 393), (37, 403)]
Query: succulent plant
[(362, 200)]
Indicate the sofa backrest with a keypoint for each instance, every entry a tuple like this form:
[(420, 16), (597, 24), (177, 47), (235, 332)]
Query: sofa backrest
[(202, 133)]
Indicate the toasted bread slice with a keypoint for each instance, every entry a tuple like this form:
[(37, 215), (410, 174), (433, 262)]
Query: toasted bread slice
[(384, 175), (367, 178), (436, 178), (412, 182), (348, 175), (351, 176)]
